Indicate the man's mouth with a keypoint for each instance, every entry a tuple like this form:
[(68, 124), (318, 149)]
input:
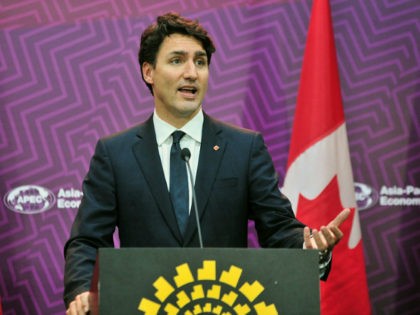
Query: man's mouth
[(188, 90)]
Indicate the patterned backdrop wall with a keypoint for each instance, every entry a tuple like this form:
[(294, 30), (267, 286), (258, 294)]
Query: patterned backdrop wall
[(69, 74)]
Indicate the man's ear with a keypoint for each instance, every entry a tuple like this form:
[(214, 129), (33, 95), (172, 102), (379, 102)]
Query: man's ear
[(147, 70)]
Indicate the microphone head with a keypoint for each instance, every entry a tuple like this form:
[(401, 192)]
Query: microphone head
[(185, 154)]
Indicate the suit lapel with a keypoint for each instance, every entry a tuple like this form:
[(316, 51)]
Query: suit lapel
[(147, 155), (211, 152)]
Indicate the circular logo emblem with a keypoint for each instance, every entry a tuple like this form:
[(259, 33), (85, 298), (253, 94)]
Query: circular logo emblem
[(366, 196), (29, 199), (208, 293)]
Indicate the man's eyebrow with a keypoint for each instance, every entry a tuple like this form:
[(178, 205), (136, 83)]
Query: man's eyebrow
[(178, 52), (199, 53)]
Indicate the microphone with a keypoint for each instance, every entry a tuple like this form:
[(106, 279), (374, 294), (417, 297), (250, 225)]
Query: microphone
[(186, 155)]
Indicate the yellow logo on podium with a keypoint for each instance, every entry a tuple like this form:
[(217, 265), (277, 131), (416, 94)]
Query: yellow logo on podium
[(207, 293)]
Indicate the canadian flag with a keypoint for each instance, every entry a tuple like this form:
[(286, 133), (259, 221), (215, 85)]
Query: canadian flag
[(319, 179)]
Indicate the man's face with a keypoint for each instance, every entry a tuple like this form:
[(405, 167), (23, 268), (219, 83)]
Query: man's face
[(179, 78)]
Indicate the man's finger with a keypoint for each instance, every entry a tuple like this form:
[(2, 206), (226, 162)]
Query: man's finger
[(85, 301), (329, 236), (307, 238), (340, 218), (321, 243), (337, 232)]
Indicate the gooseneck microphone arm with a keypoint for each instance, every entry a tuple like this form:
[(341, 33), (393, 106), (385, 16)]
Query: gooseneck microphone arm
[(185, 155)]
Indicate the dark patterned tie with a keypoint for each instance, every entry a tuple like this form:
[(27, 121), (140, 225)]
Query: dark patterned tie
[(179, 182)]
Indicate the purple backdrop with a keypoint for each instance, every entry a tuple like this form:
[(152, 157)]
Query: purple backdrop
[(68, 75)]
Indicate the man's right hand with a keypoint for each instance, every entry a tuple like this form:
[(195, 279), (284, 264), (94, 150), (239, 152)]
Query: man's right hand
[(80, 304)]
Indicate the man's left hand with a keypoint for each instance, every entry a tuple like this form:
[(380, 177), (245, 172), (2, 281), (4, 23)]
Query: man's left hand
[(328, 236)]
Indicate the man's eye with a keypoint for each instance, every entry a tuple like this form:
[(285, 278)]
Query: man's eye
[(201, 62), (175, 61)]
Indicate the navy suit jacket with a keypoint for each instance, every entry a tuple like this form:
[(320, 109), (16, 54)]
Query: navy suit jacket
[(125, 188)]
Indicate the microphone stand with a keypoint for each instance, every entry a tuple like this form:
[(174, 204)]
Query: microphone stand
[(185, 155)]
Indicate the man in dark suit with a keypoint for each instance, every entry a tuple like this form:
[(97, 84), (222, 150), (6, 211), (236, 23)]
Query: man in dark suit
[(128, 185)]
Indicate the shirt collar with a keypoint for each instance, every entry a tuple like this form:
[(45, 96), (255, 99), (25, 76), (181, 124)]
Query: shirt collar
[(193, 128)]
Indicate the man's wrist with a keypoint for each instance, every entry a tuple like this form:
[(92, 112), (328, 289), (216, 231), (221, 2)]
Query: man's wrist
[(324, 257)]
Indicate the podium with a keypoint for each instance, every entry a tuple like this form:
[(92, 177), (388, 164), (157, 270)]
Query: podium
[(189, 281)]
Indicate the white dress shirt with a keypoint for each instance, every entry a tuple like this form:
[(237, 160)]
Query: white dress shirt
[(191, 140)]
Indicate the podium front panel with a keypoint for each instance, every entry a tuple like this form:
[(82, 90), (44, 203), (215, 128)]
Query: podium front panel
[(191, 281)]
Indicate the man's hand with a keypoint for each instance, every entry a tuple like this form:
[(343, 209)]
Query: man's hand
[(80, 305), (328, 236)]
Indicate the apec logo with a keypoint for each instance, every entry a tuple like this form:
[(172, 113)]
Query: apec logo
[(366, 196), (29, 199)]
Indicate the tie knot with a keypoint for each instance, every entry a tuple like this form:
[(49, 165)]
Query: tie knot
[(177, 135)]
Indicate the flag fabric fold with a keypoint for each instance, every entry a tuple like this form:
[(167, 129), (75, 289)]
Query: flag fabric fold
[(319, 180)]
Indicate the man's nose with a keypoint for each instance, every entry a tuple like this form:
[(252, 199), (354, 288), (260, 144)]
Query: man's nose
[(190, 71)]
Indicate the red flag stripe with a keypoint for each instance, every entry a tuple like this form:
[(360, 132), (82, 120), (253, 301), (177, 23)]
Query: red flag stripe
[(316, 113)]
